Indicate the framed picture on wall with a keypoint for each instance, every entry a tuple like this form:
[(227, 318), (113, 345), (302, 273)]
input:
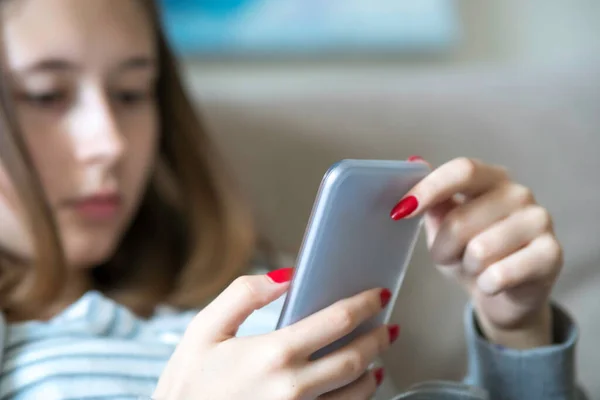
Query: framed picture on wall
[(309, 27)]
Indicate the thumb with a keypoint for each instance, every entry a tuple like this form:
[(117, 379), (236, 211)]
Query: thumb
[(221, 319)]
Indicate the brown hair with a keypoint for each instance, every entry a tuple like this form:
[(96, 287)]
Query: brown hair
[(190, 237)]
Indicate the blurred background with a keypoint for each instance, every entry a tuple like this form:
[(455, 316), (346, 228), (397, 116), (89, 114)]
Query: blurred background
[(288, 87)]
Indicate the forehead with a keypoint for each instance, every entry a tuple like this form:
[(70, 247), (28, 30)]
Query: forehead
[(89, 32)]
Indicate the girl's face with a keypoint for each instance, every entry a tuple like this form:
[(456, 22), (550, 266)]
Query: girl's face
[(83, 74)]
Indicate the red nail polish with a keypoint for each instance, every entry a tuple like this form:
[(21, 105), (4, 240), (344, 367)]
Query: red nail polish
[(415, 158), (406, 207), (281, 275), (379, 375), (394, 331), (385, 295)]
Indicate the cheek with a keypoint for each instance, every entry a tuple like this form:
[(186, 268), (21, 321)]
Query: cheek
[(53, 168), (52, 154), (142, 141)]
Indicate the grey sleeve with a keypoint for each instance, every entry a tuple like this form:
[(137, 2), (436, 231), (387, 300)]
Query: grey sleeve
[(2, 339), (546, 373)]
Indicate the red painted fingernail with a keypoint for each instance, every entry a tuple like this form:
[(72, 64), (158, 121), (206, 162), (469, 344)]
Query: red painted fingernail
[(379, 375), (281, 275), (385, 295), (415, 158), (406, 207), (394, 331)]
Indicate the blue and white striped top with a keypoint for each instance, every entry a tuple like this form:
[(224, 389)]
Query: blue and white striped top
[(98, 349)]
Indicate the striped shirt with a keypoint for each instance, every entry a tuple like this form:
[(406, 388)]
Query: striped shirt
[(98, 349)]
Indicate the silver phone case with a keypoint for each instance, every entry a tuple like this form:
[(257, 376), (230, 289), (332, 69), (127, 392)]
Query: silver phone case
[(351, 244)]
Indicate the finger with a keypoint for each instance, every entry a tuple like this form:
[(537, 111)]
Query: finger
[(464, 222), (326, 326), (361, 389), (505, 237), (540, 261), (462, 175), (435, 216), (345, 365), (221, 319)]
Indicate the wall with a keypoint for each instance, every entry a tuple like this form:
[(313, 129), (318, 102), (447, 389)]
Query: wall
[(513, 32), (525, 31)]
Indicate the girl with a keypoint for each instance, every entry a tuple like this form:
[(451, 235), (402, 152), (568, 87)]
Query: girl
[(116, 217)]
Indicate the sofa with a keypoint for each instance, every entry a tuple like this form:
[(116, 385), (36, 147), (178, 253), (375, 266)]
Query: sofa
[(282, 133)]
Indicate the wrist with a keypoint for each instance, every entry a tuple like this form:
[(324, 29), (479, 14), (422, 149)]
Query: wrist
[(536, 332)]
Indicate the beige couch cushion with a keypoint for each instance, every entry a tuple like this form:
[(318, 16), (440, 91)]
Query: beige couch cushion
[(544, 125)]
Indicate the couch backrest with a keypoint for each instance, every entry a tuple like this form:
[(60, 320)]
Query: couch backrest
[(544, 125)]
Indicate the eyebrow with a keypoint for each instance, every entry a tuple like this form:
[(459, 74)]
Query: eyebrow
[(139, 62), (49, 65), (61, 65)]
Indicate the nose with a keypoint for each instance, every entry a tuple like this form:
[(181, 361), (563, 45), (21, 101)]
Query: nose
[(97, 134)]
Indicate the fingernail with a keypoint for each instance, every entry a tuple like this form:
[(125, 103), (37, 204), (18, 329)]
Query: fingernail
[(394, 331), (281, 275), (415, 158), (379, 375), (406, 207), (489, 281), (385, 295)]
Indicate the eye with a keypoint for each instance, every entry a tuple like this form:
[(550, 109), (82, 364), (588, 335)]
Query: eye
[(52, 99), (132, 97)]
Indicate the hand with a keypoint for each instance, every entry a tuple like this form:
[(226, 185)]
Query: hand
[(210, 362), (490, 234)]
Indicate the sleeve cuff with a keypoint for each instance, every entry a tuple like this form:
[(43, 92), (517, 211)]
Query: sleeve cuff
[(541, 373)]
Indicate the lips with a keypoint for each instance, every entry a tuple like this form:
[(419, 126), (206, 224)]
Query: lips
[(100, 207)]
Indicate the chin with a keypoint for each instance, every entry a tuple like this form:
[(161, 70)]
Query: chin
[(88, 251)]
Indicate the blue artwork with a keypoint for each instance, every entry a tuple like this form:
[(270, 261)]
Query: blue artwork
[(213, 27)]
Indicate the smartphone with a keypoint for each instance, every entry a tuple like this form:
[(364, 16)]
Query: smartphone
[(351, 243)]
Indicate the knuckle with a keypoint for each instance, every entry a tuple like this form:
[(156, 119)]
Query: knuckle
[(456, 227), (295, 393), (279, 356), (522, 194), (466, 168), (542, 217), (344, 318), (291, 389), (246, 284), (291, 393), (503, 275), (354, 364), (479, 250), (551, 248)]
